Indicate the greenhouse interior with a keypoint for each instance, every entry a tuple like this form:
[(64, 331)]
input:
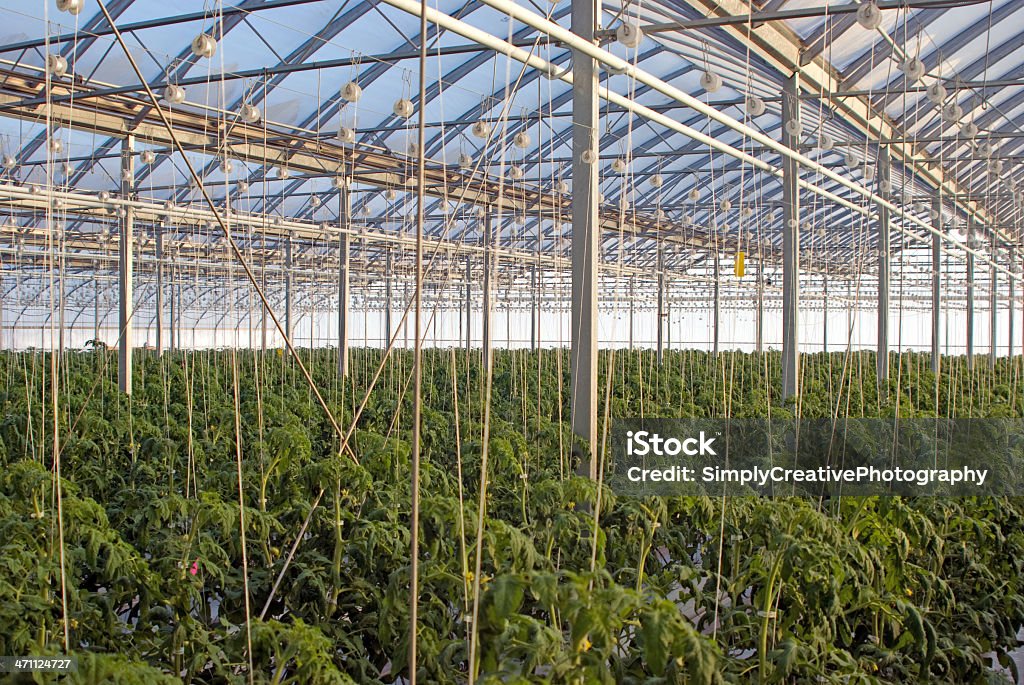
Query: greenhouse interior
[(331, 332)]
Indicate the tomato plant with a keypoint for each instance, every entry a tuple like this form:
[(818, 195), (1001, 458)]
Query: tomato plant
[(663, 590)]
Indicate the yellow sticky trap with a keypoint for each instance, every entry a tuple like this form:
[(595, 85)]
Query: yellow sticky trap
[(739, 267)]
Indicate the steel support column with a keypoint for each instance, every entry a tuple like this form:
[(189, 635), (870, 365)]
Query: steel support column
[(469, 305), (718, 305), (1011, 282), (95, 305), (668, 313), (125, 265), (936, 287), (632, 295), (508, 322), (436, 319), (540, 301), (534, 309), (405, 319), (661, 304), (288, 322), (970, 295), (884, 271), (488, 298), (790, 241), (993, 305), (172, 301), (849, 312), (263, 311), (61, 300), (182, 311), (824, 314), (585, 235), (159, 291), (344, 292), (759, 315), (388, 267)]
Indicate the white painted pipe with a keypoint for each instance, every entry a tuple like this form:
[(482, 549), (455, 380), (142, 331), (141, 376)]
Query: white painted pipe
[(185, 214), (620, 65), (153, 212)]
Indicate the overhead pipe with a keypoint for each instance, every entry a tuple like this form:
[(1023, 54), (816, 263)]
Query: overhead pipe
[(798, 13), (187, 215), (190, 214), (622, 66), (619, 65), (184, 215)]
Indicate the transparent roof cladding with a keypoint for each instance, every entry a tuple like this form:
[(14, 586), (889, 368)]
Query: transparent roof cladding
[(289, 58)]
